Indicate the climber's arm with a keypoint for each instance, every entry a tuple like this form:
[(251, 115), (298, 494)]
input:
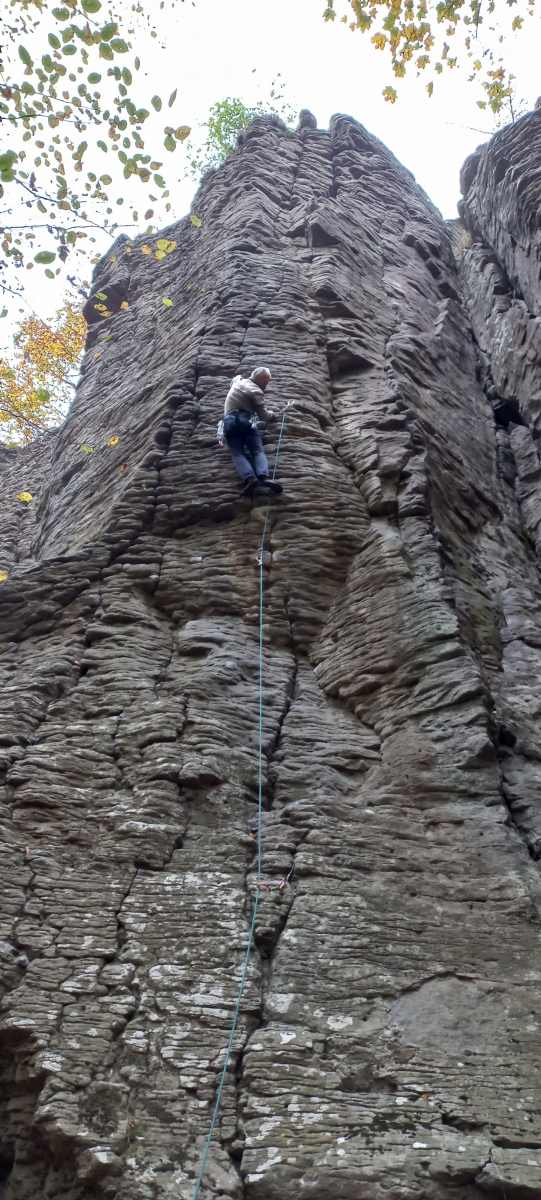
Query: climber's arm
[(258, 404)]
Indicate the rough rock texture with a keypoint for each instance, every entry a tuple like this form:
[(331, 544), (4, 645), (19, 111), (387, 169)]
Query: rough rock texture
[(389, 1041)]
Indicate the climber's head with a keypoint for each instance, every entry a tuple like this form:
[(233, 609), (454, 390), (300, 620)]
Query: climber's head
[(261, 376)]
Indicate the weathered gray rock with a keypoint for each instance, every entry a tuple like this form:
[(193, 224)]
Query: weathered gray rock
[(388, 1044)]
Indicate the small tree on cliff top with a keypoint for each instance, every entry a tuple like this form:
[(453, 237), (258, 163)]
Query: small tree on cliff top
[(423, 34), (227, 118)]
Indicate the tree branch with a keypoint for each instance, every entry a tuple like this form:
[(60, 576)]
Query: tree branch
[(15, 416), (66, 228), (51, 200), (37, 116), (12, 292)]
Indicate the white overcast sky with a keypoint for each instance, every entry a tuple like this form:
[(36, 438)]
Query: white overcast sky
[(329, 69), (211, 49)]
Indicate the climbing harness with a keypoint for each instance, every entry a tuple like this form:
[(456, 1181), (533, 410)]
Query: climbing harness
[(220, 433), (260, 886)]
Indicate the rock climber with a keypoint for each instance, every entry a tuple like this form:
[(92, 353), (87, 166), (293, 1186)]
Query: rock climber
[(243, 405)]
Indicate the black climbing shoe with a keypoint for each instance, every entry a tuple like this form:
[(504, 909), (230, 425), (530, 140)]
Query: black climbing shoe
[(248, 488), (265, 481)]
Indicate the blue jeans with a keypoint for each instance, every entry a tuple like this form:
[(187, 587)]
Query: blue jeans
[(246, 446)]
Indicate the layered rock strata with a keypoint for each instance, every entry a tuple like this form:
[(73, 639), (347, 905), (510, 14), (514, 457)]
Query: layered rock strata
[(388, 1045)]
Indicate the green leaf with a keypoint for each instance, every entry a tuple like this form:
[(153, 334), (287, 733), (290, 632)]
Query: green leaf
[(69, 49), (167, 303), (127, 76), (169, 142), (159, 181), (91, 6), (156, 103), (7, 160), (172, 98), (94, 77), (101, 296), (25, 57), (108, 31), (195, 220), (61, 14), (105, 50), (53, 41), (182, 133), (119, 46), (102, 146), (45, 257), (49, 273), (48, 62), (3, 313), (106, 179)]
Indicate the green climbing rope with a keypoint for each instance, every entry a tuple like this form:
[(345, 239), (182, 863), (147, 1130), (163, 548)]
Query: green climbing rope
[(251, 931)]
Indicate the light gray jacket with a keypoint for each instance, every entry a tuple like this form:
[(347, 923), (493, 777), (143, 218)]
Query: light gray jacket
[(245, 394)]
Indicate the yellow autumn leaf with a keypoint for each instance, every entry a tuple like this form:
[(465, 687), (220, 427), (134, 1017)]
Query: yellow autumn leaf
[(160, 254), (146, 249), (34, 381), (25, 497), (87, 449), (195, 220), (167, 302), (3, 576), (124, 305), (182, 132), (113, 441)]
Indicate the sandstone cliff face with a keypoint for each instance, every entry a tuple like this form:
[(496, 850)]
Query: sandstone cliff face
[(388, 1045)]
